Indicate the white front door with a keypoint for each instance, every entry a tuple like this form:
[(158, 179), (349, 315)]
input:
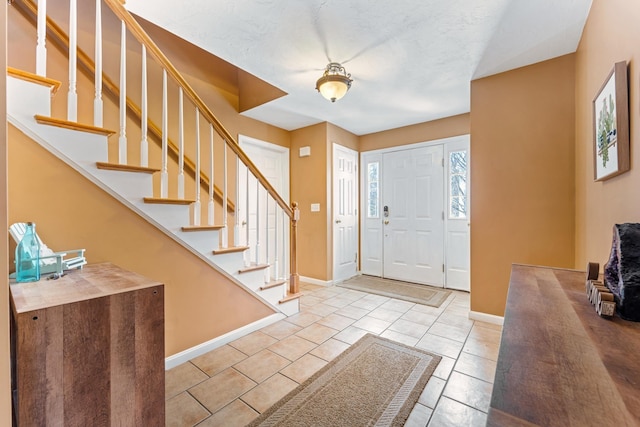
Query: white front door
[(345, 213), (270, 244), (413, 215), (457, 241)]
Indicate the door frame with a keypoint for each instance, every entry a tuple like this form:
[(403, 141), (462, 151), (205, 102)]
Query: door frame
[(377, 155)]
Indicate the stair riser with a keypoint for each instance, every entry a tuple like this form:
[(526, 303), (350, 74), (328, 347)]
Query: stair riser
[(128, 184), (28, 99)]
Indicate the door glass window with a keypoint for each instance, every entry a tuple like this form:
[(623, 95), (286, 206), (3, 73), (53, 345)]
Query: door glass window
[(458, 184), (373, 194)]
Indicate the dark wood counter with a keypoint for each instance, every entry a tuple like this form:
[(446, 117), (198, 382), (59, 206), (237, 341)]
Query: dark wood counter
[(88, 349), (559, 363)]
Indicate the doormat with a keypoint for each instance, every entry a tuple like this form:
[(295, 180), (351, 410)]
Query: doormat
[(420, 294), (376, 381)]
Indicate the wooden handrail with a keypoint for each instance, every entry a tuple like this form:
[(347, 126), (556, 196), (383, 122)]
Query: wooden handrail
[(61, 40), (138, 32)]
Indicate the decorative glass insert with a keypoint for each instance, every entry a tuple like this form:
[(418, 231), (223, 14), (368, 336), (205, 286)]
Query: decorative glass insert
[(458, 184), (373, 193)]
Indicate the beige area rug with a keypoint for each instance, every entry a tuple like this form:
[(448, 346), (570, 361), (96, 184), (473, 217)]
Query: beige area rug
[(413, 292), (375, 382)]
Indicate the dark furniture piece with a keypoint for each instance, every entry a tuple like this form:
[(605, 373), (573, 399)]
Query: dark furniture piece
[(88, 349), (559, 363)]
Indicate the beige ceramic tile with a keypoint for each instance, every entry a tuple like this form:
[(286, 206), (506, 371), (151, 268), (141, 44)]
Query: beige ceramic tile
[(417, 316), (431, 393), (370, 303), (427, 309), (326, 293), (235, 414), (351, 335), (455, 319), (372, 324), (317, 333), (183, 410), (321, 309), (293, 347), (335, 321), (338, 302), (269, 392), (482, 333), (385, 314), (352, 312), (440, 345), (485, 349), (181, 378), (280, 330), (253, 343), (477, 367), (450, 413), (303, 368), (303, 319), (398, 305), (261, 365), (329, 349), (468, 390), (406, 327), (419, 416), (401, 338), (222, 389), (488, 325), (456, 333), (309, 300), (444, 368), (219, 359)]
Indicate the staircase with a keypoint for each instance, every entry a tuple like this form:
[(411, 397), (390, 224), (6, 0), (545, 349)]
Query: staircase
[(257, 252)]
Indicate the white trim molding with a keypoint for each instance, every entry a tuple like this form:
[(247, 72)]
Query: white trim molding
[(205, 347), (318, 282), (487, 318)]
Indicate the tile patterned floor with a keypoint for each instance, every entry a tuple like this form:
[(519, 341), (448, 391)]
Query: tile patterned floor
[(233, 384)]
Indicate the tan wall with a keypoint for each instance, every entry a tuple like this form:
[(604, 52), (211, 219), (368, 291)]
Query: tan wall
[(309, 184), (611, 34), (522, 169), (5, 371), (421, 132)]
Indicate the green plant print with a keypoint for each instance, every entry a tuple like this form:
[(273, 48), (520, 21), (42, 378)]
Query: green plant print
[(606, 118)]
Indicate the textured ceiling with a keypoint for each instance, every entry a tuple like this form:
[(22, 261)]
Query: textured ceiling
[(411, 60)]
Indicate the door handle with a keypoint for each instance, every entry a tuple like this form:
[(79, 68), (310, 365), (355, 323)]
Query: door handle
[(386, 222), (338, 221)]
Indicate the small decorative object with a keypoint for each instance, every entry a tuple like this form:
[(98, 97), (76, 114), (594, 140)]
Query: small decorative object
[(611, 125), (28, 256), (598, 294), (622, 271)]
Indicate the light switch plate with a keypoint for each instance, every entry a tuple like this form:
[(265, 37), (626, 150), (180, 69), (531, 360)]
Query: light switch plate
[(315, 207)]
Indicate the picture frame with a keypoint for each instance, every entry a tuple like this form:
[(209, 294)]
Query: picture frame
[(611, 125)]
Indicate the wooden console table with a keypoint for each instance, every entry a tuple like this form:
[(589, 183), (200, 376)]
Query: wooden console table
[(88, 349), (559, 363)]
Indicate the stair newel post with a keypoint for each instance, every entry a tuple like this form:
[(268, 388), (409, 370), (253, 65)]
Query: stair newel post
[(294, 285), (41, 49), (97, 100), (211, 206), (72, 96), (122, 139), (225, 214), (164, 175), (196, 205), (180, 144), (144, 142)]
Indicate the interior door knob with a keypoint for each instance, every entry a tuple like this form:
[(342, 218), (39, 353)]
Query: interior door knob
[(386, 221), (338, 221)]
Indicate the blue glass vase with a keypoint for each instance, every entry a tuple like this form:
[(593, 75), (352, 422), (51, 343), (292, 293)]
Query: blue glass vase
[(28, 256)]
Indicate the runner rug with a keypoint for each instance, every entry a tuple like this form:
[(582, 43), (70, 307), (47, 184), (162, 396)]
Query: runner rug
[(413, 292), (376, 381)]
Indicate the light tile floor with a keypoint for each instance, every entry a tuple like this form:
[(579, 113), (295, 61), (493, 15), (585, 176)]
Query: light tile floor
[(231, 385)]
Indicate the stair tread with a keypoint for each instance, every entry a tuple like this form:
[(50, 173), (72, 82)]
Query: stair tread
[(253, 267), (167, 201), (66, 124), (202, 227), (230, 249), (272, 284), (125, 168), (34, 78), (290, 297)]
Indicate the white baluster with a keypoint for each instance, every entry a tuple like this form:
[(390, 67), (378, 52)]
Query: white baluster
[(144, 142), (276, 255), (211, 207), (180, 144), (225, 231), (285, 256), (257, 254), (122, 140), (164, 175), (236, 227), (97, 100), (247, 254), (72, 96), (196, 204), (41, 48), (267, 271)]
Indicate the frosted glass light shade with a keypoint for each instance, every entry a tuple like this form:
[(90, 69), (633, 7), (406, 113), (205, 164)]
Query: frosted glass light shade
[(334, 83)]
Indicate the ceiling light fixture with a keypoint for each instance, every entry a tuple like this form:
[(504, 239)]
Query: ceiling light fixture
[(334, 83)]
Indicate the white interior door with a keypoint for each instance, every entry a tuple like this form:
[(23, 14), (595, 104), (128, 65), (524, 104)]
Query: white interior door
[(345, 213), (267, 244), (413, 212), (457, 241)]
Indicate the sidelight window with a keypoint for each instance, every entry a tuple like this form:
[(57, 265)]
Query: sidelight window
[(458, 184)]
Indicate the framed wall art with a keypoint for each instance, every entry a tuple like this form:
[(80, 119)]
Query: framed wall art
[(611, 125)]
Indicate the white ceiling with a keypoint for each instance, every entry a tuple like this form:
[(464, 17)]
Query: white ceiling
[(411, 60)]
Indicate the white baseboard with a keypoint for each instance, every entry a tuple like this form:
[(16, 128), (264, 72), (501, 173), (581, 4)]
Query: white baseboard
[(487, 318), (313, 281), (200, 349)]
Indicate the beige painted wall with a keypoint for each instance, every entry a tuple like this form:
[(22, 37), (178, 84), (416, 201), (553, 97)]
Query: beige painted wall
[(522, 168), (611, 34), (5, 371)]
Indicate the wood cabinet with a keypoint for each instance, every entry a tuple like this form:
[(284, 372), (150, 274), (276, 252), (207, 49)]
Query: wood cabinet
[(88, 349), (559, 363)]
